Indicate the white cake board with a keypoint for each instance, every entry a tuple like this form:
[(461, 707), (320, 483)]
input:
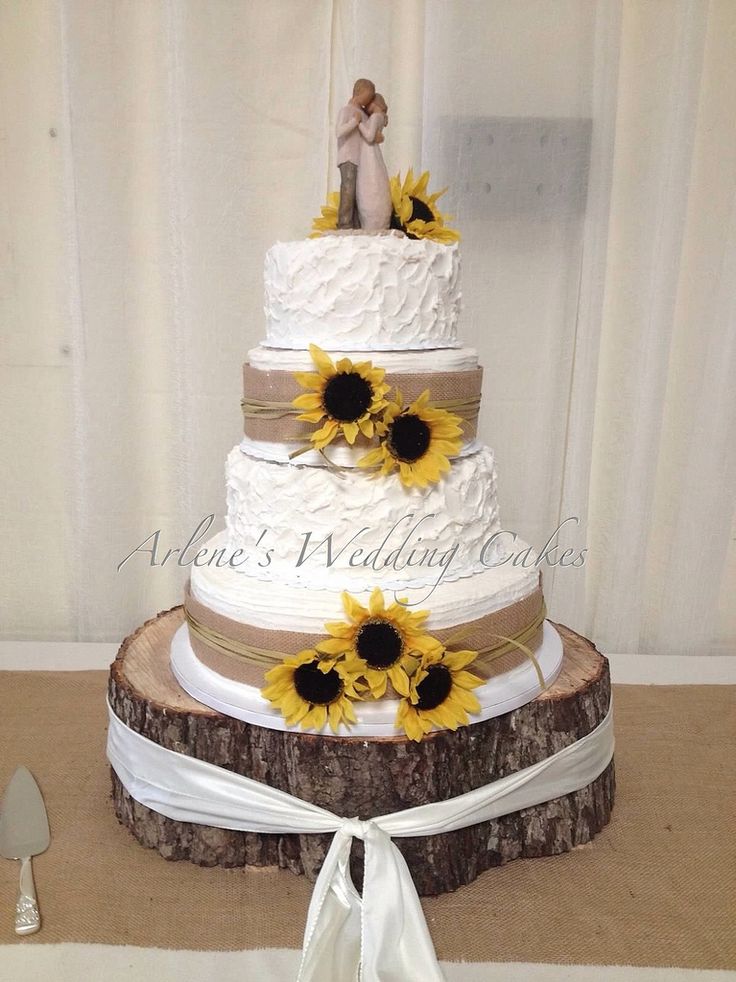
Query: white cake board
[(498, 695), (339, 454)]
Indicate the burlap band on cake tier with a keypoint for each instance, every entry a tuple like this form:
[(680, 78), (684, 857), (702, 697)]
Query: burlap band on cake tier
[(268, 413), (243, 653)]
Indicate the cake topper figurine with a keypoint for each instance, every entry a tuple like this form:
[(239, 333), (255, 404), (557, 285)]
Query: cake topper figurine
[(369, 200), (365, 193)]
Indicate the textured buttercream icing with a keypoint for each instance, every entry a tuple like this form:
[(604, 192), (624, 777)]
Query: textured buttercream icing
[(362, 293), (243, 597), (323, 527)]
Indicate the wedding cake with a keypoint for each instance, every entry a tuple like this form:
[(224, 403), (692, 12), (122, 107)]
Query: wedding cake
[(364, 584)]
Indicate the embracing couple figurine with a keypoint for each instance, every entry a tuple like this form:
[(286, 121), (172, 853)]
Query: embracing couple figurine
[(365, 195)]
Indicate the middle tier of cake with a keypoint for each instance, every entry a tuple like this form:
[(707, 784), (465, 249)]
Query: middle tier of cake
[(271, 383), (348, 528)]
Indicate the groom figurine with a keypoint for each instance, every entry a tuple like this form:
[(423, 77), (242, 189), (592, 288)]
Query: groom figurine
[(348, 149)]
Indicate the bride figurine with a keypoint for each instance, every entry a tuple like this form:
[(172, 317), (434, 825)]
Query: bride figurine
[(372, 192)]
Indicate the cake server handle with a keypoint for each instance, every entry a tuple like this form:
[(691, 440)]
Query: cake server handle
[(27, 917)]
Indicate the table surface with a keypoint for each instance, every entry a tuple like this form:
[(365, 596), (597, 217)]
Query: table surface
[(29, 961)]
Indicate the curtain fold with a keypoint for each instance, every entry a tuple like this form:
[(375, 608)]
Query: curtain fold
[(152, 152), (658, 529)]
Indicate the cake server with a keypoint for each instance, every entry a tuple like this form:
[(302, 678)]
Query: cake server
[(24, 832)]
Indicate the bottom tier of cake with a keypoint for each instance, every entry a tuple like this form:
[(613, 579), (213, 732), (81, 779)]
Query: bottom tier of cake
[(505, 690), (369, 776)]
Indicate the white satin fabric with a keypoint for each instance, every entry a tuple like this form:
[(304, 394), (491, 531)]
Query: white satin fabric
[(381, 936)]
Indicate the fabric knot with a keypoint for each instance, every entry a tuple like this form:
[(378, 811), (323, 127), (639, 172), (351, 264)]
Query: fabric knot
[(356, 827)]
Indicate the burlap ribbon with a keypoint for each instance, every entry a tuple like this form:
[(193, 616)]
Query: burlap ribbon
[(268, 413), (243, 653)]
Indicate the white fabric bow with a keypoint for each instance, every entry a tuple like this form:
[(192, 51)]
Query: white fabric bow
[(381, 936)]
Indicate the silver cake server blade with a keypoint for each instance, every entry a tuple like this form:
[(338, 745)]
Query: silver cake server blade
[(24, 832)]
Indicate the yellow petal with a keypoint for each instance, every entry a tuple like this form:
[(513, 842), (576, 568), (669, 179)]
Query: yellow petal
[(467, 680), (292, 703), (299, 715), (333, 646), (366, 426), (375, 604), (353, 665), (455, 660), (351, 431), (325, 434), (309, 380), (372, 458), (309, 400), (467, 700), (378, 682), (339, 629), (322, 360), (400, 682), (352, 608), (335, 715), (318, 717), (420, 188), (314, 417)]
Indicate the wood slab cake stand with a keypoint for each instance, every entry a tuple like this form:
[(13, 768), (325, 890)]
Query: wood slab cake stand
[(367, 777)]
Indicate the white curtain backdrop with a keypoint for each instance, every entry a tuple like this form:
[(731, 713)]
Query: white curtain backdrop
[(152, 150)]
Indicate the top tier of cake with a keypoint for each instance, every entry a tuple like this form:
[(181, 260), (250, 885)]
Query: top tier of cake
[(362, 293)]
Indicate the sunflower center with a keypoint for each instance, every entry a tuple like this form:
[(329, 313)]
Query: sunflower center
[(435, 687), (316, 686), (379, 643), (420, 210), (409, 437), (347, 396)]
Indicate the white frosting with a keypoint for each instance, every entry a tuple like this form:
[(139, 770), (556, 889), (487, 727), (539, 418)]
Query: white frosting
[(322, 527), (362, 292), (397, 362), (244, 597)]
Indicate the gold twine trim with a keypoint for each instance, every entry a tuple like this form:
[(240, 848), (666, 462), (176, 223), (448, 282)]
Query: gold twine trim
[(232, 647), (516, 642), (340, 469), (262, 409), (459, 406), (267, 656), (266, 409)]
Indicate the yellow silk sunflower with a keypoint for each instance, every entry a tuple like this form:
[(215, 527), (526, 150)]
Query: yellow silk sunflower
[(349, 396), (310, 690), (378, 643), (417, 439), (438, 693), (327, 221), (416, 212)]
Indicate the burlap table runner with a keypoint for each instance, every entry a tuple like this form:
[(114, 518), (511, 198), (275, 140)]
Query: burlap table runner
[(655, 888)]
